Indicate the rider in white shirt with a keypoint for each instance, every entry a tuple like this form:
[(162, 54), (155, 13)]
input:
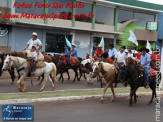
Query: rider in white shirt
[(130, 54), (33, 42), (34, 56)]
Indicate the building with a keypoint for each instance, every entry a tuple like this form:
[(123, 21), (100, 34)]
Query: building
[(160, 32), (112, 20)]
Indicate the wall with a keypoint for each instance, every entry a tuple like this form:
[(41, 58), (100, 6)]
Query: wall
[(124, 37)]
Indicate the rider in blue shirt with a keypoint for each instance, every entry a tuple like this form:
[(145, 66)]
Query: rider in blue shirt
[(74, 51), (67, 54), (145, 64)]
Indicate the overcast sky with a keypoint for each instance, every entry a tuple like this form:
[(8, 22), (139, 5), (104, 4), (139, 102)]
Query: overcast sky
[(160, 2)]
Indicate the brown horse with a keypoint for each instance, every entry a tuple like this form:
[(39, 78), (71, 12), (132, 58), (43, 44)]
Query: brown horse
[(62, 67)]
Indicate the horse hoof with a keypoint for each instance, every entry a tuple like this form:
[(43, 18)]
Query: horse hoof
[(25, 90), (102, 99), (12, 82), (53, 88), (91, 83), (20, 90), (127, 99), (41, 90), (88, 83), (112, 100), (38, 84)]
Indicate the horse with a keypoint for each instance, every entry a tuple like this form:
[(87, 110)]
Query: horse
[(21, 65), (135, 77), (86, 68), (109, 72), (62, 67)]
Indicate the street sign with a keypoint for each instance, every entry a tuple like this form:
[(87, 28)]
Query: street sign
[(152, 26)]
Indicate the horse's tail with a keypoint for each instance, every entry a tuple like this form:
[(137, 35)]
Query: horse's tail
[(53, 72)]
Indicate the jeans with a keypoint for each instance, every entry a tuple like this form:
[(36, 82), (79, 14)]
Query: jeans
[(34, 65), (68, 60), (146, 70)]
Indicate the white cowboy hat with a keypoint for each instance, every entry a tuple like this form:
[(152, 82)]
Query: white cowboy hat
[(99, 45), (34, 34), (73, 44)]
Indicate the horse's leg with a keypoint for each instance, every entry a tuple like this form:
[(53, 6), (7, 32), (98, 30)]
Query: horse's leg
[(133, 93), (41, 80), (153, 88), (75, 74), (53, 85), (19, 83), (101, 82), (84, 76), (112, 89), (68, 75), (105, 89), (25, 87), (45, 81), (128, 98), (12, 74)]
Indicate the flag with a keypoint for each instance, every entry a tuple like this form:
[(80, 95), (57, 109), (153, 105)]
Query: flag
[(132, 38), (149, 47), (68, 43), (102, 44)]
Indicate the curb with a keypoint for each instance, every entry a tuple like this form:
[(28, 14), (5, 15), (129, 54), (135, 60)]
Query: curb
[(71, 98)]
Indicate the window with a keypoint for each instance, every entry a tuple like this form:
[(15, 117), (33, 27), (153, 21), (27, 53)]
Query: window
[(56, 42), (125, 15), (142, 18), (85, 10), (31, 10), (62, 10), (104, 15)]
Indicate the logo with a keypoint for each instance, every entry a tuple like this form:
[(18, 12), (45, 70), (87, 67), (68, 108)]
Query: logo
[(3, 31), (17, 112)]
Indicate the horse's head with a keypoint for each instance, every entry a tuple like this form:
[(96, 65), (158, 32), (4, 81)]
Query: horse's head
[(95, 68), (7, 63)]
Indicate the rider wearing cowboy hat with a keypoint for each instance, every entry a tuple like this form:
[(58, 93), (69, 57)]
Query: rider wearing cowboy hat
[(74, 51), (34, 41), (34, 55), (99, 51), (145, 64)]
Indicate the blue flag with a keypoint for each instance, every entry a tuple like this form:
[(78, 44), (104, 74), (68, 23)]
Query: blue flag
[(68, 43), (102, 44)]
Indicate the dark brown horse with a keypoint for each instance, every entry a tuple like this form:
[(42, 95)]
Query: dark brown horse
[(62, 67)]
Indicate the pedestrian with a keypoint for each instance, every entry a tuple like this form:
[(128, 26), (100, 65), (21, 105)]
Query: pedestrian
[(74, 51), (145, 64), (112, 52), (99, 51), (33, 42)]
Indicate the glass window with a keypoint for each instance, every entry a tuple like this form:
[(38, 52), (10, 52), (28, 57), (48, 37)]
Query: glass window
[(31, 10), (85, 10), (142, 18), (56, 42), (125, 15), (104, 15), (62, 10)]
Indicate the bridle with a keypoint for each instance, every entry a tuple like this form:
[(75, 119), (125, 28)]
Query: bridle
[(9, 63)]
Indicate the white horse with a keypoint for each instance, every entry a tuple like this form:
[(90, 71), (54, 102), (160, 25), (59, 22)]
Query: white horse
[(21, 65)]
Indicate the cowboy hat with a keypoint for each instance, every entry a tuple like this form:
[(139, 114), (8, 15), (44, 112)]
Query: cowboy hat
[(34, 34), (144, 49), (99, 46), (156, 51), (73, 44)]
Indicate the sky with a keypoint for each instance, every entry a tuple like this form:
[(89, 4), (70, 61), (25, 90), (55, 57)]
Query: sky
[(159, 2)]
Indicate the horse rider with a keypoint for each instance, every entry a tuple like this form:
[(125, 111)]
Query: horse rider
[(67, 54), (34, 56), (138, 55), (120, 60), (99, 51), (74, 52), (130, 54), (105, 56), (112, 51), (145, 64), (34, 41)]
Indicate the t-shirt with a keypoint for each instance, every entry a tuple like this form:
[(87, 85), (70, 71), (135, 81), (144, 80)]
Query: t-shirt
[(130, 55), (112, 52), (138, 55), (120, 57), (145, 58), (34, 55), (156, 57), (32, 42)]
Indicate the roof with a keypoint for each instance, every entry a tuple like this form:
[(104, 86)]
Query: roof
[(136, 4)]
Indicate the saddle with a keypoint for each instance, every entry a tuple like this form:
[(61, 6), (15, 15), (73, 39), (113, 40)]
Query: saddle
[(40, 64)]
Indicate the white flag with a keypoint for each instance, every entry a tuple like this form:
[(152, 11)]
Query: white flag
[(102, 44), (149, 47), (132, 38)]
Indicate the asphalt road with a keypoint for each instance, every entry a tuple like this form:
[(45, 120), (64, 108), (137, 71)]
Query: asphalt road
[(92, 110), (6, 87)]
